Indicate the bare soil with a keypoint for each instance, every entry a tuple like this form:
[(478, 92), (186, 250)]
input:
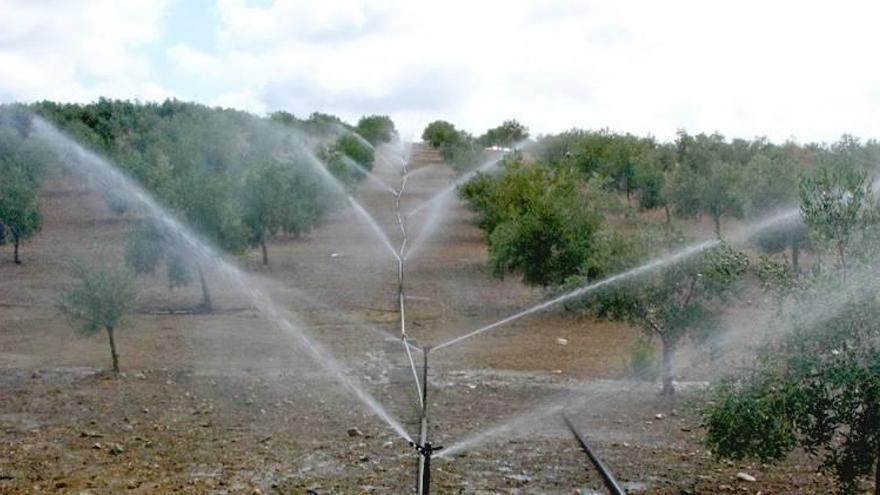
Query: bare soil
[(226, 403)]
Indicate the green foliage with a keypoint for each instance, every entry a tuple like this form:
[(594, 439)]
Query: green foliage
[(817, 384), (835, 203), (23, 163), (144, 248), (714, 190), (440, 134), (281, 198), (204, 165), (354, 149), (509, 133), (376, 129), (540, 223), (100, 299), (20, 217), (751, 417)]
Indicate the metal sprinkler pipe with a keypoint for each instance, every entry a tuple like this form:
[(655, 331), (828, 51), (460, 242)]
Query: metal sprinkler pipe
[(424, 447), (607, 477)]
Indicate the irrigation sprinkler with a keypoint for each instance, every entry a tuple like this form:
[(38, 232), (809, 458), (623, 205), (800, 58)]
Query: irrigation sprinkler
[(424, 447), (607, 477)]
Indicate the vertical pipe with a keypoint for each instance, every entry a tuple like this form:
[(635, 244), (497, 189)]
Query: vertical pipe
[(424, 475)]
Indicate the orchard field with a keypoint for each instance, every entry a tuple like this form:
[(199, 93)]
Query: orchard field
[(715, 330)]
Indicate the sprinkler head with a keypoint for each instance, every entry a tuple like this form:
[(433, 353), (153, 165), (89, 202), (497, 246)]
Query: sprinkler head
[(426, 450)]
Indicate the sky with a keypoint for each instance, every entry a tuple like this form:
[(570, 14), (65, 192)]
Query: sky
[(804, 70)]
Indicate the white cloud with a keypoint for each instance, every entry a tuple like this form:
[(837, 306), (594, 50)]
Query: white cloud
[(779, 68), (78, 50)]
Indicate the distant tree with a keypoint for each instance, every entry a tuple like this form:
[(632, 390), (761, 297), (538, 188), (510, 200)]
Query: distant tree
[(505, 135), (278, 199), (148, 244), (20, 217), (354, 149), (714, 190), (376, 129), (685, 300), (771, 188), (835, 203), (440, 133), (101, 299)]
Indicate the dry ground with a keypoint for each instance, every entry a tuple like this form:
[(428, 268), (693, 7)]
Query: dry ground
[(226, 403)]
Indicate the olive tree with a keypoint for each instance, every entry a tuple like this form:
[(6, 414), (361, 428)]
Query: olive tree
[(684, 300), (376, 129), (100, 299), (20, 217), (772, 180), (505, 135), (541, 223)]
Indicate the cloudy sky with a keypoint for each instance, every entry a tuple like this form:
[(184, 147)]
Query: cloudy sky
[(802, 69)]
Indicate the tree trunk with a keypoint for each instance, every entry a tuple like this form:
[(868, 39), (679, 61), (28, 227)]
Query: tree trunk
[(265, 252), (718, 227), (15, 250), (795, 256), (668, 375), (877, 474), (206, 295), (842, 256), (113, 350), (668, 214)]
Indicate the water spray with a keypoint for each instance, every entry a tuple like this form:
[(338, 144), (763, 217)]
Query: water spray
[(96, 169), (607, 477)]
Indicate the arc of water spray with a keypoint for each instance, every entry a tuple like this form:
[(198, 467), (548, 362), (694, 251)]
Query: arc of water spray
[(97, 169), (655, 264), (358, 208), (829, 311), (436, 203), (489, 165), (658, 263)]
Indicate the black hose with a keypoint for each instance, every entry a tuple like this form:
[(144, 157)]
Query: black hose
[(607, 477)]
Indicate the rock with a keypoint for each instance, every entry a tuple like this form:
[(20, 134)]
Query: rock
[(388, 445), (354, 432), (116, 449), (97, 446), (90, 434), (745, 477), (140, 376), (659, 416), (562, 341)]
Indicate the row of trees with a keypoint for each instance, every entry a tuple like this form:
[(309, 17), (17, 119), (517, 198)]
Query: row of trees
[(463, 151), (555, 220), (235, 178)]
